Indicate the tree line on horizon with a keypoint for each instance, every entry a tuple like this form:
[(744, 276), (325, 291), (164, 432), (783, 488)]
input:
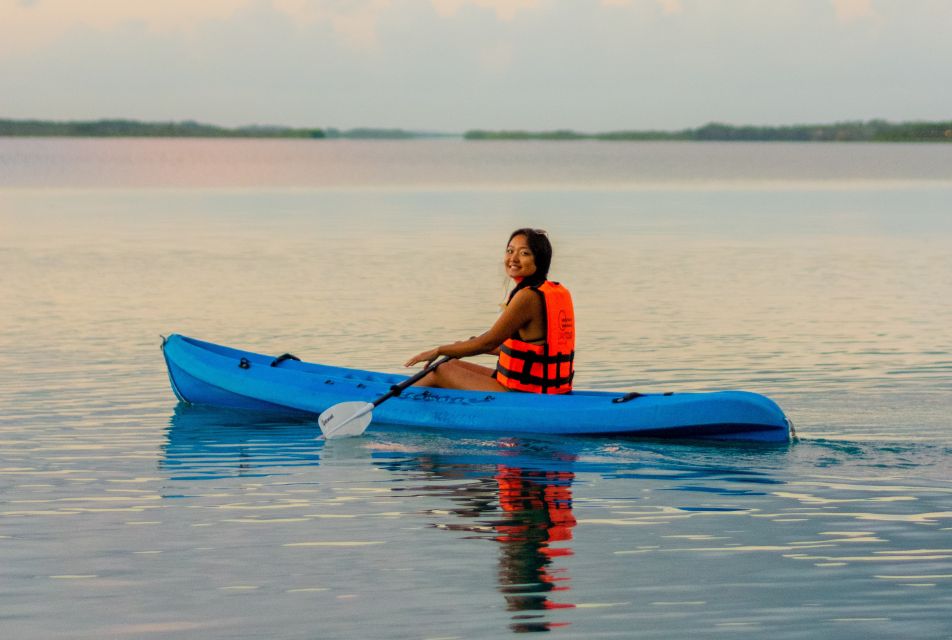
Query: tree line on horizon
[(132, 128), (118, 128), (870, 131)]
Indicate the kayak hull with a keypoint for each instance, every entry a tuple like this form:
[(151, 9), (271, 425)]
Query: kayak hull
[(203, 373)]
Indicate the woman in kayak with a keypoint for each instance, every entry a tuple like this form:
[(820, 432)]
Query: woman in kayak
[(534, 336)]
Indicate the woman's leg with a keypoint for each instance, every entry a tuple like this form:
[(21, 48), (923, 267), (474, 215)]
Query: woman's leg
[(456, 374), (472, 366)]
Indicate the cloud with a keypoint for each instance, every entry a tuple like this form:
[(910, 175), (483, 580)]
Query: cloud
[(168, 14), (47, 21), (359, 29), (667, 6), (30, 25), (851, 10), (505, 10)]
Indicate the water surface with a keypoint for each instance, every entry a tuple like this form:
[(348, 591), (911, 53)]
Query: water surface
[(815, 274)]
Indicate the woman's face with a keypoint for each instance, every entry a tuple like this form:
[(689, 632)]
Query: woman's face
[(519, 261)]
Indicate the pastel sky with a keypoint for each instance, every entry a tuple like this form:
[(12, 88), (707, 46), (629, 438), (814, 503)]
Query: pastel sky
[(452, 65)]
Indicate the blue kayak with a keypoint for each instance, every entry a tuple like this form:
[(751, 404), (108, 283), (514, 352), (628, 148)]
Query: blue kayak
[(203, 373)]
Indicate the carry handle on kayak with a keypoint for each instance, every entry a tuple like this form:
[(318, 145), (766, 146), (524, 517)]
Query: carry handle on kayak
[(284, 356), (627, 397), (352, 418)]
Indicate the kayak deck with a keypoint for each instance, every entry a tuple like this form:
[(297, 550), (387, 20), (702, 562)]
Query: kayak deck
[(205, 373)]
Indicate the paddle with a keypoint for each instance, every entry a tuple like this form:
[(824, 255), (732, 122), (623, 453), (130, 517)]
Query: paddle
[(352, 418)]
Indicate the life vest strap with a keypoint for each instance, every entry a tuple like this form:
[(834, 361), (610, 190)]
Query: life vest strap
[(536, 356), (525, 377)]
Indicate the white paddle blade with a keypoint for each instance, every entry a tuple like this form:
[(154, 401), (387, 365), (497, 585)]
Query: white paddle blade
[(346, 419)]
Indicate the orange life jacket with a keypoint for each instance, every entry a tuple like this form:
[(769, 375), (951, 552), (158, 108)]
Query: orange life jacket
[(543, 368)]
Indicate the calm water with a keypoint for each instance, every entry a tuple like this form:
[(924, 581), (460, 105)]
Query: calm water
[(820, 275)]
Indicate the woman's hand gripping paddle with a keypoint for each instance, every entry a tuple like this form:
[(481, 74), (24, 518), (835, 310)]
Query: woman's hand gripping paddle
[(353, 418)]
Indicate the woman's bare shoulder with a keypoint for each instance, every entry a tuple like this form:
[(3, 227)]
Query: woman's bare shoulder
[(526, 297), (525, 305)]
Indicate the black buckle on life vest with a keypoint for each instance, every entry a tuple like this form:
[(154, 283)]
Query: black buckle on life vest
[(528, 359)]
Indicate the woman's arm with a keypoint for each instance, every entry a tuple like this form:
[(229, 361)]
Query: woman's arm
[(522, 309)]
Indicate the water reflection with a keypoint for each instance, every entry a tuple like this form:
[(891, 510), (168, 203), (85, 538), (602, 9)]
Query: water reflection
[(517, 494), (538, 506), (206, 444), (469, 519), (526, 509)]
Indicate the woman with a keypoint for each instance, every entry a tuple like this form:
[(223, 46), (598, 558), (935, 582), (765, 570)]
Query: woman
[(534, 336)]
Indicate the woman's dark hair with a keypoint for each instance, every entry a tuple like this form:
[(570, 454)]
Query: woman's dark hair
[(541, 250)]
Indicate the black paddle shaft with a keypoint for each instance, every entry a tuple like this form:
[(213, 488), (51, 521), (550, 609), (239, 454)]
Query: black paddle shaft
[(397, 389)]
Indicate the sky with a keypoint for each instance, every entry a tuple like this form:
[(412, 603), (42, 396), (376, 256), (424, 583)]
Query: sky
[(455, 65)]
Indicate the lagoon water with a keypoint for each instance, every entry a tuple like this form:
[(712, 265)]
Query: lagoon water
[(820, 275)]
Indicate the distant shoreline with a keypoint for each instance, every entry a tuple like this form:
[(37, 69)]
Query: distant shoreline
[(870, 131), (188, 129)]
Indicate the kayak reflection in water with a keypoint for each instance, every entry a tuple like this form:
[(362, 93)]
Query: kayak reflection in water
[(539, 506), (530, 516), (534, 336)]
